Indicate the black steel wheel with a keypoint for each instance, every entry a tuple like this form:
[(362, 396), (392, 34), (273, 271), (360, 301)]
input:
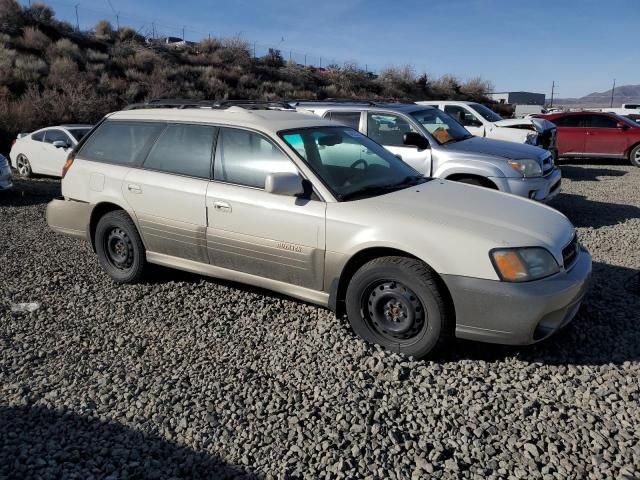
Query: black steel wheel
[(119, 247), (398, 302)]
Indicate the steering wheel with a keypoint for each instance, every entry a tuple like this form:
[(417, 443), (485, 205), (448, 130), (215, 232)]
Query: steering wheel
[(358, 162)]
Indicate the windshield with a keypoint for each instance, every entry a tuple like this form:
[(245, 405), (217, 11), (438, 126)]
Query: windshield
[(78, 133), (350, 164), (442, 127), (486, 113)]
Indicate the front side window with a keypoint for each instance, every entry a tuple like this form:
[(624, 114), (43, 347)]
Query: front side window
[(350, 119), (442, 127), (486, 113), (122, 143), (51, 136), (387, 128), (462, 116), (246, 158), (183, 149), (600, 121), (350, 164)]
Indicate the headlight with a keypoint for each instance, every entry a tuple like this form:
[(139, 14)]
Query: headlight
[(532, 138), (526, 167), (523, 264)]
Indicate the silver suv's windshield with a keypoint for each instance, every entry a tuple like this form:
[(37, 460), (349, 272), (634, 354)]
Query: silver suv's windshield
[(442, 127), (486, 113), (350, 164)]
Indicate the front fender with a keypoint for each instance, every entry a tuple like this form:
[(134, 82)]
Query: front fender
[(478, 168)]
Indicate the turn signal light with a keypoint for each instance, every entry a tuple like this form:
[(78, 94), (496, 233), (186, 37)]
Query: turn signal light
[(68, 163), (510, 265)]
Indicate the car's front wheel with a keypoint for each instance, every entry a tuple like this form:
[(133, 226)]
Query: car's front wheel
[(23, 166), (396, 302), (119, 247), (634, 156)]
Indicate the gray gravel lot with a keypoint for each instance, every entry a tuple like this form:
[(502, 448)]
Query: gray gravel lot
[(188, 377)]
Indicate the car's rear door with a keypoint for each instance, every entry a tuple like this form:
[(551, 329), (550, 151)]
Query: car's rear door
[(603, 137), (571, 134), (252, 231), (168, 192), (388, 130)]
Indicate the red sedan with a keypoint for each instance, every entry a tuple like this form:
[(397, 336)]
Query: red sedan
[(596, 134)]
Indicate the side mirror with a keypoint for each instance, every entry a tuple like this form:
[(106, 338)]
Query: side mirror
[(60, 144), (414, 139), (622, 126), (285, 183)]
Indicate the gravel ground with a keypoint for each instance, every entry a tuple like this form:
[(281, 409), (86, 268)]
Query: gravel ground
[(184, 376)]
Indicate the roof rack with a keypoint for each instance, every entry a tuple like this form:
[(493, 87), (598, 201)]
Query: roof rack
[(181, 103), (349, 101)]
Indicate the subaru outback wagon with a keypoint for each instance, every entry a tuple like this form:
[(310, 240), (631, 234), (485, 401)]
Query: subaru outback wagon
[(316, 210)]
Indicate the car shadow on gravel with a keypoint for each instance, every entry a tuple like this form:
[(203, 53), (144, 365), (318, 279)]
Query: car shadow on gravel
[(32, 191), (39, 442), (605, 331), (584, 212), (578, 173)]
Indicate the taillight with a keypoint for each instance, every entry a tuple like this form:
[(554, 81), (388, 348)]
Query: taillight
[(68, 163)]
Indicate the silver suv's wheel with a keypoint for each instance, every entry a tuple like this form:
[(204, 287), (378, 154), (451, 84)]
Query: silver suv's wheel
[(396, 302), (23, 166)]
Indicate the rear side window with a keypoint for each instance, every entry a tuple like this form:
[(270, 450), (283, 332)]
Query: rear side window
[(246, 158), (350, 119), (38, 137), (183, 149), (51, 136), (122, 143), (78, 133), (387, 128), (568, 121)]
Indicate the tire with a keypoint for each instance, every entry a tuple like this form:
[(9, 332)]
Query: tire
[(634, 156), (396, 302), (23, 166), (119, 247)]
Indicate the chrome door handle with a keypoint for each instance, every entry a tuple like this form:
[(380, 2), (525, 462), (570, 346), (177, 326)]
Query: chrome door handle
[(222, 207), (133, 188)]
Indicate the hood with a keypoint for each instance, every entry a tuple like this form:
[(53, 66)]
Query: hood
[(539, 124), (498, 148), (481, 217)]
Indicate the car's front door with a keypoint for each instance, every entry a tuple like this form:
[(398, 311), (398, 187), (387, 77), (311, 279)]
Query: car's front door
[(168, 193), (603, 137), (388, 130), (252, 231), (467, 119), (53, 158)]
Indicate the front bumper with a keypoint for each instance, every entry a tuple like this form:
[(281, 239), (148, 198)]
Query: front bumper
[(69, 217), (542, 189), (518, 313)]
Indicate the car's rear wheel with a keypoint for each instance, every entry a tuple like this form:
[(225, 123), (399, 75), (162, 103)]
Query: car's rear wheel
[(396, 302), (23, 166), (634, 156), (120, 248)]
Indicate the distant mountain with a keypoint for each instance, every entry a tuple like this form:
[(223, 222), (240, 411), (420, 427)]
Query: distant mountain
[(622, 94)]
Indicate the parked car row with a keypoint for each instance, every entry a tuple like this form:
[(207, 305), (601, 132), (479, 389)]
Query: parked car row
[(262, 194)]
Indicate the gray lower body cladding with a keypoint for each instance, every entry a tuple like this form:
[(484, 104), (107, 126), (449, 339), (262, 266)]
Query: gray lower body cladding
[(518, 313)]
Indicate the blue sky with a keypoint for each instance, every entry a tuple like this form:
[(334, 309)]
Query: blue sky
[(518, 45)]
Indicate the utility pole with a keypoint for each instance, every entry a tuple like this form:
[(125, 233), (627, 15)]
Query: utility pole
[(320, 62), (254, 49), (613, 91), (77, 18), (118, 21), (183, 33), (553, 88), (305, 59), (153, 30)]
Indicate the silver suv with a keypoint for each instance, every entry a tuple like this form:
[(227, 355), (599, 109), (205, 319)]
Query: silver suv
[(438, 146), (318, 211)]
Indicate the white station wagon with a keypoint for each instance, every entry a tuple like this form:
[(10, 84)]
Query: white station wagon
[(316, 210)]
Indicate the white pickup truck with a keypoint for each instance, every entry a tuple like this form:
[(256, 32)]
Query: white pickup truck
[(626, 109), (484, 122)]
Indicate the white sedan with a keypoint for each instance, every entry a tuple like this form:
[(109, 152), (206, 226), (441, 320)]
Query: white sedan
[(45, 151)]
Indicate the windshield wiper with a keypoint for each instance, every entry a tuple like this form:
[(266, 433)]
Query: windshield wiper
[(373, 190)]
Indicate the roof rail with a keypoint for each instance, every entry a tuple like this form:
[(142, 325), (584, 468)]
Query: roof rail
[(349, 101), (217, 104)]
